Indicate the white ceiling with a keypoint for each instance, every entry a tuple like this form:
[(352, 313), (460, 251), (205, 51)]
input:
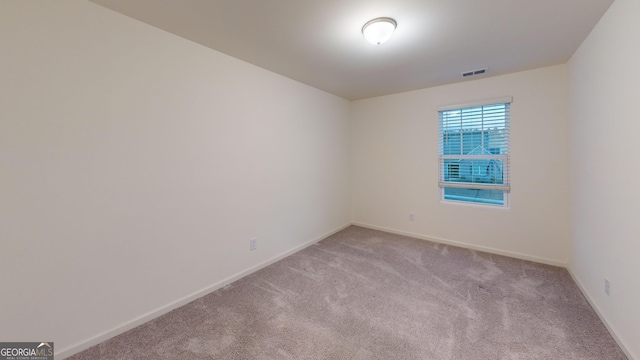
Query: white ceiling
[(319, 43)]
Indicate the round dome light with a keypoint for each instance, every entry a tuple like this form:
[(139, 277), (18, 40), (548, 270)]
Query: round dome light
[(379, 30)]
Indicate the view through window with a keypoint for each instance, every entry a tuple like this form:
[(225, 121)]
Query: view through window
[(474, 153)]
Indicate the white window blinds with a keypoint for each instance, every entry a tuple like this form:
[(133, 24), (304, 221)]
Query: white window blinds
[(474, 146)]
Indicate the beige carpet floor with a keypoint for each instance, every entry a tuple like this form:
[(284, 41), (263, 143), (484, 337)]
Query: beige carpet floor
[(366, 294)]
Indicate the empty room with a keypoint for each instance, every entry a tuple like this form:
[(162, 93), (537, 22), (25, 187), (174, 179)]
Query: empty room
[(287, 179)]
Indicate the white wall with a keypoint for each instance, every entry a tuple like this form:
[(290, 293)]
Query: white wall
[(604, 152), (135, 166), (394, 155)]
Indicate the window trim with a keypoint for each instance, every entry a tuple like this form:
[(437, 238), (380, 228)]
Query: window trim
[(505, 158), (492, 101)]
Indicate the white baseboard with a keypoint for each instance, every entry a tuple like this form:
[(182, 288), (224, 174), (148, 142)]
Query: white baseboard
[(613, 333), (465, 245), (513, 255), (220, 284), (74, 349)]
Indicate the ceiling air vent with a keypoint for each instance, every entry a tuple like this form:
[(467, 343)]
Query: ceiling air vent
[(474, 72)]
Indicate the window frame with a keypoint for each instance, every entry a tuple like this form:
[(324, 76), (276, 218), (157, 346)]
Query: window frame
[(488, 153)]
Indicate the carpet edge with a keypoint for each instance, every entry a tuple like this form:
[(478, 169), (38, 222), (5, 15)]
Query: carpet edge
[(595, 308), (461, 244), (104, 336)]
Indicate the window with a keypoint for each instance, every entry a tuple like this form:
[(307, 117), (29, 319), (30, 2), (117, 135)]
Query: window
[(454, 171), (480, 170), (474, 152)]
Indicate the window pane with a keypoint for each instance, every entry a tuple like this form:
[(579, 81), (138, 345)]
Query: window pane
[(475, 131), (491, 197), (474, 171), (474, 153)]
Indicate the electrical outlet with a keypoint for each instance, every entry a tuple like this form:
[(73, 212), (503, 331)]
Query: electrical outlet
[(412, 217), (607, 287), (253, 244)]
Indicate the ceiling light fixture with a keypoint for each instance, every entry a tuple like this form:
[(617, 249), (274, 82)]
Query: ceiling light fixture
[(379, 30)]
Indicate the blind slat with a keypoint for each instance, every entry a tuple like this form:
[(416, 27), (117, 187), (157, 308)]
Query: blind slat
[(474, 146), (472, 104), (474, 186)]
